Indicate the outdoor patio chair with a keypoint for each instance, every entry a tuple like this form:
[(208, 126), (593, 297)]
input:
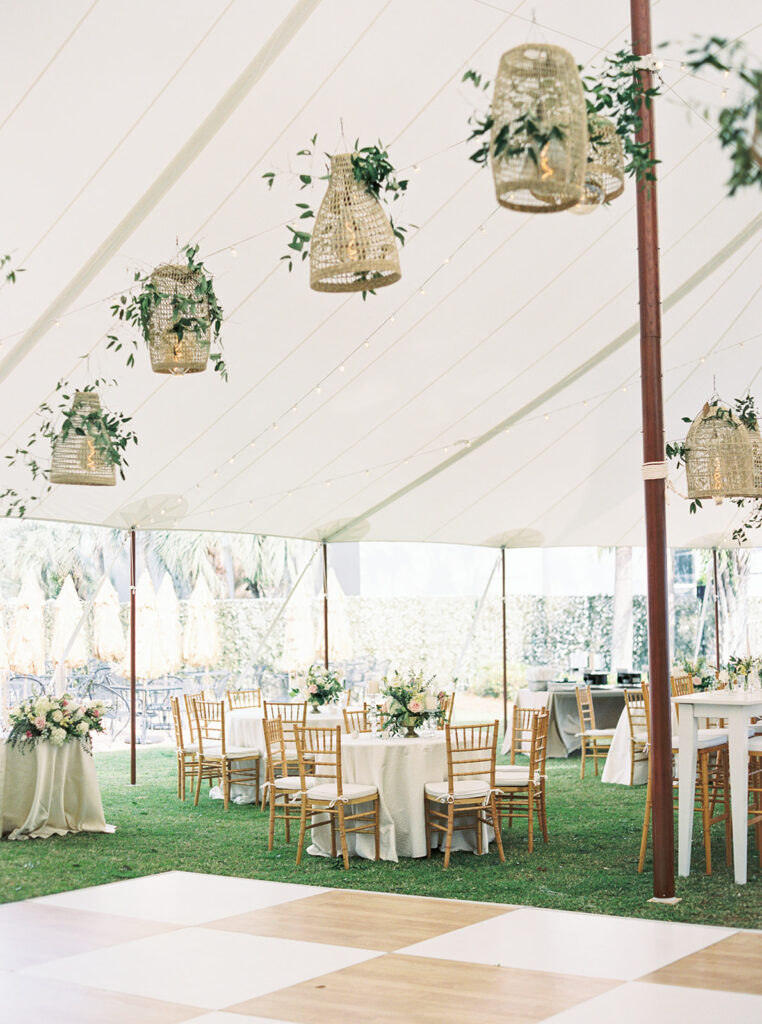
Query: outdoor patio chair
[(712, 787), (187, 752), (595, 742), (637, 718), (282, 791), (214, 753), (244, 699), (469, 791), (319, 752), (521, 790)]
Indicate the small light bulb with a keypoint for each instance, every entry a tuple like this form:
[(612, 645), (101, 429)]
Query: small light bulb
[(341, 368), (275, 426), (723, 94), (161, 512), (253, 444), (416, 169), (726, 73), (211, 513), (216, 472), (468, 444), (624, 387), (294, 409), (57, 323), (683, 66), (367, 472), (328, 483), (507, 430), (423, 291), (366, 344), (547, 416), (392, 318), (406, 461), (483, 230), (445, 450), (446, 260), (234, 253), (290, 493), (318, 389), (703, 359)]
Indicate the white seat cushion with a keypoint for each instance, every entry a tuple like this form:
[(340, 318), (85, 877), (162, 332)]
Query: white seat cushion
[(514, 775), (464, 789), (755, 745), (188, 748), (640, 735), (353, 791), (598, 732), (236, 752), (705, 738), (293, 783)]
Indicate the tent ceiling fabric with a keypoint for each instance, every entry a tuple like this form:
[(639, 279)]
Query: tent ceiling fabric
[(494, 316)]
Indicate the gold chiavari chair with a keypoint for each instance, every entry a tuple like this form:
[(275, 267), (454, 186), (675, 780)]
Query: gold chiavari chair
[(522, 721), (681, 686), (469, 791), (447, 706), (712, 787), (216, 755), (521, 791), (244, 699), (283, 791), (190, 717), (755, 791), (637, 718), (186, 750), (319, 753), (291, 713), (357, 720), (595, 742)]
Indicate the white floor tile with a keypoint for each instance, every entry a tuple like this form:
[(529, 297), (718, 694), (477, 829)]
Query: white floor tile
[(220, 1017), (202, 966), (567, 943), (639, 1002), (181, 897)]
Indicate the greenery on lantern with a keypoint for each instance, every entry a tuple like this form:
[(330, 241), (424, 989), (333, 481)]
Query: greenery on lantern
[(372, 168), (410, 701), (10, 272), (108, 432), (192, 314), (740, 125)]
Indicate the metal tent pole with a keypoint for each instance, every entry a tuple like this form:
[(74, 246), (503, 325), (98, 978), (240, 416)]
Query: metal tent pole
[(653, 452), (325, 603), (505, 650), (133, 717)]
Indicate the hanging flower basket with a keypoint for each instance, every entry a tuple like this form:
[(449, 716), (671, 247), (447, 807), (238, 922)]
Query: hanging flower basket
[(81, 455), (720, 457), (179, 330), (353, 246), (538, 143), (604, 176)]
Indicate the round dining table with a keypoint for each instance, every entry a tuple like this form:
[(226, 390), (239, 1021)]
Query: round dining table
[(399, 767)]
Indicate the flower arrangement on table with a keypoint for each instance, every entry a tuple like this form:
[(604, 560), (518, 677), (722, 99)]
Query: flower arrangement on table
[(321, 687), (58, 720), (410, 702), (742, 673)]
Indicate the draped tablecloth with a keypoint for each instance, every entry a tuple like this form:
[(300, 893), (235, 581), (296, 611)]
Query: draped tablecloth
[(399, 768), (244, 728), (49, 791), (563, 725), (617, 767)]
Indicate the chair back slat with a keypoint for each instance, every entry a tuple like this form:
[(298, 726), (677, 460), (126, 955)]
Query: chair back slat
[(275, 744), (539, 743), (319, 752), (471, 752), (521, 730), (357, 720), (585, 708), (177, 722), (291, 714), (637, 709), (210, 722), (681, 686), (244, 698), (447, 706)]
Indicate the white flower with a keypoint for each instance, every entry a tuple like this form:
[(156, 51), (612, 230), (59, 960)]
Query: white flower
[(57, 736), (57, 715), (82, 728)]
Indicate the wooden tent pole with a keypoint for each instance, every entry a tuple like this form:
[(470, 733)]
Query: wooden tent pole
[(133, 716), (325, 603), (716, 614), (505, 650), (653, 452)]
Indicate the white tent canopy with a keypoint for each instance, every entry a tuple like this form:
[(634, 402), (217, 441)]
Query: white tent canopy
[(501, 320)]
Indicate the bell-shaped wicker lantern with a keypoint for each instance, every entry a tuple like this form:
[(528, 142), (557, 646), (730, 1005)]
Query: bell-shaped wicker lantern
[(719, 457), (77, 459), (171, 353), (604, 175), (353, 247), (541, 84)]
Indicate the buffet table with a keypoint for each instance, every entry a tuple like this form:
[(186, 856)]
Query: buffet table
[(49, 791), (563, 725)]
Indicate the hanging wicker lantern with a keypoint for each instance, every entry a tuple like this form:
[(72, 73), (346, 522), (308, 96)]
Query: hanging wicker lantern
[(77, 459), (719, 457), (169, 352), (542, 83), (353, 247), (604, 176)]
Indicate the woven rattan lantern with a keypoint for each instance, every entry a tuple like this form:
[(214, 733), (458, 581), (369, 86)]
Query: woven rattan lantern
[(353, 247), (169, 352), (604, 176), (77, 459), (541, 83), (719, 457)]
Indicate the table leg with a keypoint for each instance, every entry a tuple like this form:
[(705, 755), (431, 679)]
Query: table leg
[(687, 789), (738, 739)]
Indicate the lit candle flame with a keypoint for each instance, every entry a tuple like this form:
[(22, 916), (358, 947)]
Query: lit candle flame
[(547, 170)]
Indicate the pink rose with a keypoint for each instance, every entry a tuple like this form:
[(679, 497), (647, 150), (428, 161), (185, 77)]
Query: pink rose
[(415, 707), (95, 713), (28, 734), (313, 688), (64, 703), (40, 723)]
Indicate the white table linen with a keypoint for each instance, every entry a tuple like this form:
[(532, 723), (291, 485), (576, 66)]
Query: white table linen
[(49, 791), (399, 768), (563, 727), (616, 770)]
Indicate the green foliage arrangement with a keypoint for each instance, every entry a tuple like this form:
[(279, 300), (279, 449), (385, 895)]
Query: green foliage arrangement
[(371, 167), (195, 314), (322, 686), (10, 272), (108, 431), (411, 701), (703, 677)]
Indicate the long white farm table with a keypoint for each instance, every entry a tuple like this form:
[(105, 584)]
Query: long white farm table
[(738, 708)]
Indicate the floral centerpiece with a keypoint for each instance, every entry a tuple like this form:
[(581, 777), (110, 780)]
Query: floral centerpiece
[(703, 677), (322, 687), (410, 702), (58, 720)]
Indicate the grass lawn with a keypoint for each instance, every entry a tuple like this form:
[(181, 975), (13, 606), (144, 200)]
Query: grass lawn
[(589, 864)]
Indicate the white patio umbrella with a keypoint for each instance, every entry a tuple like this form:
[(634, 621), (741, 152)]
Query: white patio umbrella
[(200, 641), (298, 630), (168, 613), (149, 661), (340, 646), (26, 650), (68, 615), (108, 633)]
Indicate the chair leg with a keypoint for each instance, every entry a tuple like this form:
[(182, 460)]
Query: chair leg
[(595, 756), (287, 813), (582, 766), (377, 824), (543, 815), (705, 819), (427, 825), (271, 825), (478, 829), (530, 814), (496, 826), (302, 830), (343, 836), (632, 763), (225, 785), (448, 843), (644, 830), (198, 781), (724, 768)]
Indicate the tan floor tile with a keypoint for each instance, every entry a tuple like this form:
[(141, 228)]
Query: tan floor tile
[(732, 965), (33, 999), (31, 933), (363, 920), (400, 989)]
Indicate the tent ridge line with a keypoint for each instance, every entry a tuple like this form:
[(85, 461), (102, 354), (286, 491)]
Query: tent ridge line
[(572, 377), (192, 148)]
